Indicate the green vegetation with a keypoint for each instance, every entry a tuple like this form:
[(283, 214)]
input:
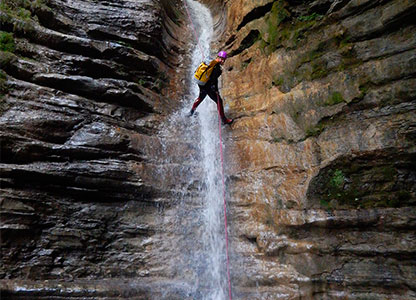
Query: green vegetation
[(315, 53), (277, 15), (6, 57), (3, 87), (283, 29), (3, 91), (388, 173), (335, 192), (22, 8), (363, 91), (343, 40), (319, 70), (6, 42), (278, 81), (311, 17), (337, 180), (141, 82), (361, 184), (160, 82), (335, 98), (314, 130), (21, 13)]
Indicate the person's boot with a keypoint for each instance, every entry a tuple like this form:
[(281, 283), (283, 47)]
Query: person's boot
[(227, 121), (191, 113)]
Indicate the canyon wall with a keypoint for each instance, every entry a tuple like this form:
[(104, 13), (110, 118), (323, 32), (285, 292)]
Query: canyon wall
[(320, 159), (86, 86), (322, 167)]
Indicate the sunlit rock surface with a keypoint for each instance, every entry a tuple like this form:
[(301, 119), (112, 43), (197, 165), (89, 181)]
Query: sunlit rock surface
[(320, 159), (322, 166)]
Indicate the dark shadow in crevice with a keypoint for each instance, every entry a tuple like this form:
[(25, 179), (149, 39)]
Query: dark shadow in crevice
[(256, 13), (247, 42)]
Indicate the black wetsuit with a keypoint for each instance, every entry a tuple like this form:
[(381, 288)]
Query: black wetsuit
[(211, 89)]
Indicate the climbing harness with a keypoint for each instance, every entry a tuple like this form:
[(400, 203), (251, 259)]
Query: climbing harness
[(222, 162)]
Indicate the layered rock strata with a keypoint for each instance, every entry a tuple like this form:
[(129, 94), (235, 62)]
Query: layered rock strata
[(322, 171), (86, 88), (320, 160)]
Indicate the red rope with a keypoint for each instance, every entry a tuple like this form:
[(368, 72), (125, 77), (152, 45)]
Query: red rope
[(223, 194), (193, 29)]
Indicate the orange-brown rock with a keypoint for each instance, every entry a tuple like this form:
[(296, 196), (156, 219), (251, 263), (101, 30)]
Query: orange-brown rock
[(323, 143)]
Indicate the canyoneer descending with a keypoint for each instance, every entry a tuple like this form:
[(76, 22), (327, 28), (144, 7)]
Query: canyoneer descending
[(209, 266), (207, 79)]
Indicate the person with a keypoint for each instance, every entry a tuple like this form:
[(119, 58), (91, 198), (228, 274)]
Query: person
[(211, 89)]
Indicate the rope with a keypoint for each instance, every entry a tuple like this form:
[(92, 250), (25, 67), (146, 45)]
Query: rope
[(194, 31), (223, 194), (222, 161)]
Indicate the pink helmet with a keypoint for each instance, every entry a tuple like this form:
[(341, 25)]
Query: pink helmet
[(222, 54)]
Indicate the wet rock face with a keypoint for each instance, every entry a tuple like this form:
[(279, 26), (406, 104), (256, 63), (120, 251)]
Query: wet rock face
[(85, 86), (322, 166), (321, 180)]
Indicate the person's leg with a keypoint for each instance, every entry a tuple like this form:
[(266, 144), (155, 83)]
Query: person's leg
[(218, 100), (201, 97)]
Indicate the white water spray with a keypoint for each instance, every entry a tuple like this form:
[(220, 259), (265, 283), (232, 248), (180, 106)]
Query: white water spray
[(211, 275)]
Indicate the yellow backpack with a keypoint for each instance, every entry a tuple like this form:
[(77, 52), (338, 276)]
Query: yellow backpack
[(203, 72)]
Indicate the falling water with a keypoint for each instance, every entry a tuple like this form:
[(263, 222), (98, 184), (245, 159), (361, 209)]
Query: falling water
[(211, 258), (194, 255)]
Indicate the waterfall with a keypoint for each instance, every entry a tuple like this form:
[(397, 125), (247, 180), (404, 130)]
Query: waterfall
[(208, 253), (194, 256)]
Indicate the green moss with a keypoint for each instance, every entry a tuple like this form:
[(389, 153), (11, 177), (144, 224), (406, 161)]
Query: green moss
[(363, 91), (314, 130), (125, 44), (3, 91), (284, 81), (262, 45), (283, 30), (319, 70), (278, 81), (278, 14), (389, 173), (6, 58), (314, 54), (343, 40), (324, 203), (3, 78), (159, 83), (311, 17), (21, 13), (337, 179), (23, 8), (6, 42), (335, 98), (366, 182)]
